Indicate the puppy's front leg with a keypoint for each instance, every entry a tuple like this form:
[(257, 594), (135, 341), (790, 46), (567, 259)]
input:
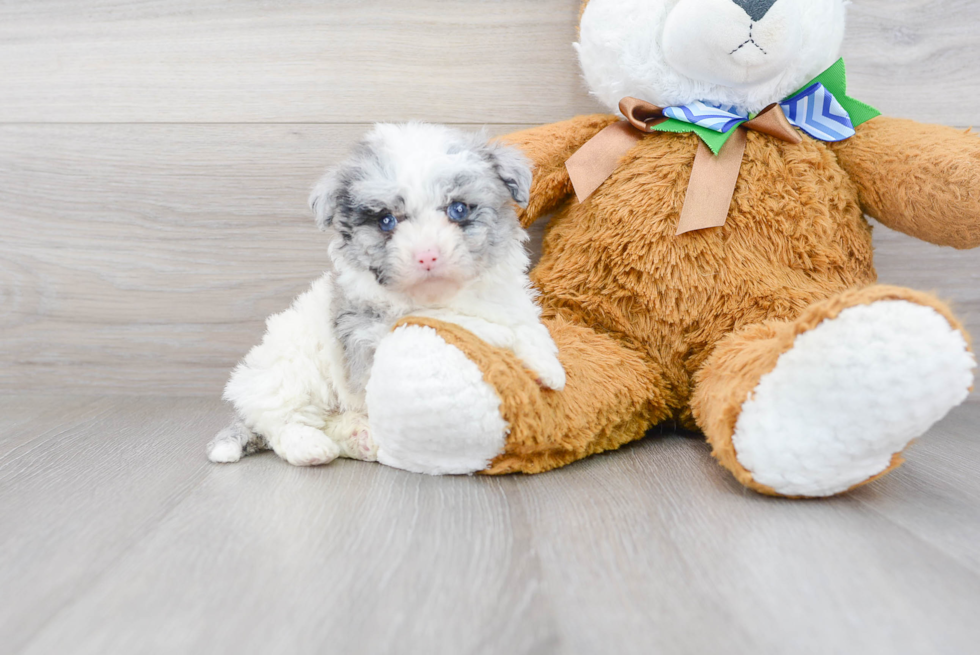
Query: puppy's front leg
[(494, 334), (535, 347), (531, 343)]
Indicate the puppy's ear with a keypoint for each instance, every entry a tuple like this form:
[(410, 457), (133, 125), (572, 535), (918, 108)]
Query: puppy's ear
[(323, 200), (514, 169)]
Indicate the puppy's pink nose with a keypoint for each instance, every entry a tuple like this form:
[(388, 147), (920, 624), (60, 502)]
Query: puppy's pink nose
[(427, 258)]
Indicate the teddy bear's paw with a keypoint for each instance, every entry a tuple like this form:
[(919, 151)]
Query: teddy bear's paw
[(302, 445), (430, 409), (849, 395)]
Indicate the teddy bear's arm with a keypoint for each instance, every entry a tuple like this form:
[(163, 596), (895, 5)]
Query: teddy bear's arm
[(549, 147), (923, 180)]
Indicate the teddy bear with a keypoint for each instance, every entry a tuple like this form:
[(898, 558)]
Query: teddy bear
[(762, 325)]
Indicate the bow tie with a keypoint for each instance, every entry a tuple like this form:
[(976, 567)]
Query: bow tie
[(814, 110), (822, 110)]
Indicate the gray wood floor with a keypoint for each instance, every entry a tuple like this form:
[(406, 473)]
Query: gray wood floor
[(116, 536)]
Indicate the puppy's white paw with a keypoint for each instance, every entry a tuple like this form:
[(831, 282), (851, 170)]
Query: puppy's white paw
[(550, 372), (364, 445), (301, 445), (849, 395), (232, 443), (535, 347), (431, 410), (352, 433), (224, 450)]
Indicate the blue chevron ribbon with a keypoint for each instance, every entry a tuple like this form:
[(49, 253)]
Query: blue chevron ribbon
[(817, 112), (719, 118), (822, 109), (814, 110)]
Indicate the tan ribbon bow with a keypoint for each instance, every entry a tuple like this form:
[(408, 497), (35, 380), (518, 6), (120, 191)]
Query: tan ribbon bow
[(713, 178)]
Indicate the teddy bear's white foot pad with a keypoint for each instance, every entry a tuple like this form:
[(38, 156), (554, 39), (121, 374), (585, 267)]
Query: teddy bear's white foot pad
[(430, 409), (849, 395)]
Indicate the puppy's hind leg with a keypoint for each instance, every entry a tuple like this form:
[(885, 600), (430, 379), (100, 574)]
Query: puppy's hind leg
[(234, 442), (350, 431), (304, 445)]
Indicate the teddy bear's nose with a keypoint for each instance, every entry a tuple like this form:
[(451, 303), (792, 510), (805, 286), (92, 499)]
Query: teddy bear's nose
[(756, 9)]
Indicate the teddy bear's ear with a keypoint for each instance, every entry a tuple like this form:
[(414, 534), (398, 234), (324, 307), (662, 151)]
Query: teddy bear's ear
[(323, 199), (514, 170)]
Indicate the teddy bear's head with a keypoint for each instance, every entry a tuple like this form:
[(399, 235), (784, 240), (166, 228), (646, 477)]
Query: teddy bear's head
[(746, 53)]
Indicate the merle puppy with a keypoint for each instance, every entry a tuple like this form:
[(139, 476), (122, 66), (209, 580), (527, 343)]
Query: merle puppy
[(424, 223)]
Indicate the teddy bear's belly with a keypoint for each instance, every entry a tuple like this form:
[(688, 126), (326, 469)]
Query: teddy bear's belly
[(795, 234)]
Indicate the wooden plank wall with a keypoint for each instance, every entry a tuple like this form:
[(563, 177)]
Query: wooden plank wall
[(155, 156)]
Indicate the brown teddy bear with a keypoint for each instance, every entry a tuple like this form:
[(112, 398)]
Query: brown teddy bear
[(760, 325)]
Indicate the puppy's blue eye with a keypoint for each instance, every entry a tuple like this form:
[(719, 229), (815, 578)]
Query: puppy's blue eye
[(458, 211), (388, 223)]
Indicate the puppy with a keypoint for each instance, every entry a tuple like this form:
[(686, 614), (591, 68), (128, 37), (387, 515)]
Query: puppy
[(424, 223)]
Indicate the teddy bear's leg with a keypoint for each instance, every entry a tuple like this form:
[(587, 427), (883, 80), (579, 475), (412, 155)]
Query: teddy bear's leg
[(825, 403), (441, 401)]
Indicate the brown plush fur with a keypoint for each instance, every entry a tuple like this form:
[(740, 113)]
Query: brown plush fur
[(923, 180), (652, 327), (795, 234), (611, 397)]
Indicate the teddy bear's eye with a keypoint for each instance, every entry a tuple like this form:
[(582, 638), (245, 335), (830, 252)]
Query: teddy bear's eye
[(387, 223), (458, 211)]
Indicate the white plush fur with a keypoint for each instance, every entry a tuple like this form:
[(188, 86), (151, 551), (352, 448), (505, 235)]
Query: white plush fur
[(302, 390), (672, 52), (849, 395), (447, 422)]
